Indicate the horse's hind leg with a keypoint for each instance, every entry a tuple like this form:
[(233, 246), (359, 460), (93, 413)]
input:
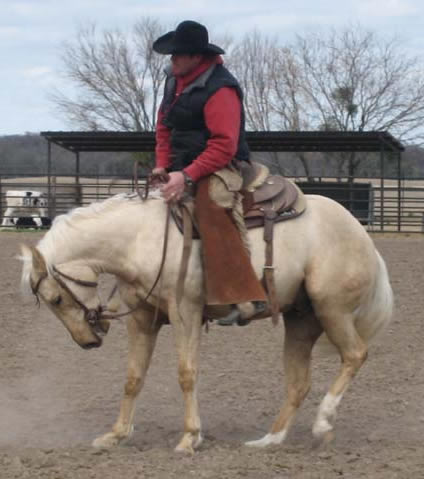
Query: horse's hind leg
[(353, 351), (142, 337), (301, 333)]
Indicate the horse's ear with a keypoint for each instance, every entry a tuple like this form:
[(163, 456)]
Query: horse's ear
[(38, 263)]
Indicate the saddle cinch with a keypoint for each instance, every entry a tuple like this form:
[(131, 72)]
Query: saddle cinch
[(267, 199)]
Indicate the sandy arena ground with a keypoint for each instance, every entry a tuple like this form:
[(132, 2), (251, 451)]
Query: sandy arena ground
[(56, 398)]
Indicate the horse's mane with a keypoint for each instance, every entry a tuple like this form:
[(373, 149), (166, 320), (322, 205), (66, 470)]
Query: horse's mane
[(59, 239)]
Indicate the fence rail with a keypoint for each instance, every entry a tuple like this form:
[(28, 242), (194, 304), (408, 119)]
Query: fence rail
[(390, 205)]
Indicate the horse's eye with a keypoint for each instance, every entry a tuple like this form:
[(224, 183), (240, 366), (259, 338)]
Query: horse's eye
[(57, 301)]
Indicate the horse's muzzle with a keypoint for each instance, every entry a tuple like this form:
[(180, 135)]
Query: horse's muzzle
[(92, 344)]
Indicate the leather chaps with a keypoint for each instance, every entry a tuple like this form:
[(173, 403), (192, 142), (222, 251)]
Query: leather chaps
[(229, 275)]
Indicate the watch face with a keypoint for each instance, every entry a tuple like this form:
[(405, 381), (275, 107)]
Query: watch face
[(187, 179)]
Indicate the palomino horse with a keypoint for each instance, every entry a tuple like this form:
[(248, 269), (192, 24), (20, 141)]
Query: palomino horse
[(325, 252)]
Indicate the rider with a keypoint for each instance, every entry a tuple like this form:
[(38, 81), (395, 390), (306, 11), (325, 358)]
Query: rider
[(200, 142)]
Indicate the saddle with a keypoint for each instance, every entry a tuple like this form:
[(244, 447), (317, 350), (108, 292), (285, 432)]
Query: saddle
[(264, 195), (269, 195)]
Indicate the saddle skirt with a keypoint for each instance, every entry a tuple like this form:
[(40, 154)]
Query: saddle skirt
[(263, 194)]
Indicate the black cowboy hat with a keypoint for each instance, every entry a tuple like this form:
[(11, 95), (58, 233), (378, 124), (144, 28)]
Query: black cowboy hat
[(189, 37)]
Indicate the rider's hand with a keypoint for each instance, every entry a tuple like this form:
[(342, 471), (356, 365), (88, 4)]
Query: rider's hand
[(158, 175), (173, 190), (158, 171)]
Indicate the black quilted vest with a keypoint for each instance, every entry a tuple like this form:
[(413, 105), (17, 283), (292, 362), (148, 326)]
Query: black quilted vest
[(185, 117)]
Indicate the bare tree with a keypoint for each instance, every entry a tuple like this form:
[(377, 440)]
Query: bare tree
[(270, 79), (356, 81), (346, 80), (251, 62), (117, 78), (353, 80)]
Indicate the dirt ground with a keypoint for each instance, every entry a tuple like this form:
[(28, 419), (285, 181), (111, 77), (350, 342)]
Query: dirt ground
[(56, 398)]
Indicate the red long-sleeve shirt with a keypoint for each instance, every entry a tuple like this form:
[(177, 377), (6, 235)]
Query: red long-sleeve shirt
[(222, 114)]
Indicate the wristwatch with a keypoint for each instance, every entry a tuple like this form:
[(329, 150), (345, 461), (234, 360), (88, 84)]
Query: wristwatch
[(188, 181)]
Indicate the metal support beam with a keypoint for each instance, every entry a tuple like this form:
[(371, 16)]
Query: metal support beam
[(77, 167), (1, 200), (382, 174), (78, 198), (399, 192), (49, 179)]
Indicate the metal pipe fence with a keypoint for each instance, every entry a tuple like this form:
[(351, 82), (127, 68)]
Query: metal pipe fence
[(390, 206)]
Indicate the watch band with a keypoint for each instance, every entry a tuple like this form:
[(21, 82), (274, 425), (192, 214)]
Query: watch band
[(188, 180)]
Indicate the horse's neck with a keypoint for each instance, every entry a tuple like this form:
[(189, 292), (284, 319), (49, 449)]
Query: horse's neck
[(104, 241)]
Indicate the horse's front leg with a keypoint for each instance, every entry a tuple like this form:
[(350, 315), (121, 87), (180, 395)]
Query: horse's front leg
[(187, 323), (142, 337)]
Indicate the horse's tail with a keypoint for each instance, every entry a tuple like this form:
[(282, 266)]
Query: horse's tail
[(376, 313)]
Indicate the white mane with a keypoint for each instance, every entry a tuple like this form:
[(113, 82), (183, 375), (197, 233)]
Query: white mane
[(59, 239)]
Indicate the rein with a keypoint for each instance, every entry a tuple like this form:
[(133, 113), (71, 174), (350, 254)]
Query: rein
[(153, 178)]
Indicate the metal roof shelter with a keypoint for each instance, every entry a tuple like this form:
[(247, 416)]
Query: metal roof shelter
[(258, 141), (267, 141)]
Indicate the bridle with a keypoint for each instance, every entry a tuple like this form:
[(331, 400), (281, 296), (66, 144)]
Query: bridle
[(93, 316)]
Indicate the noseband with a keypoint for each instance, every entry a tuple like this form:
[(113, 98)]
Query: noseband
[(92, 316)]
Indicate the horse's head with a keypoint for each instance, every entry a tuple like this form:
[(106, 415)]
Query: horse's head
[(70, 291)]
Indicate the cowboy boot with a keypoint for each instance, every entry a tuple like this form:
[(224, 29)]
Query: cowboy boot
[(236, 315)]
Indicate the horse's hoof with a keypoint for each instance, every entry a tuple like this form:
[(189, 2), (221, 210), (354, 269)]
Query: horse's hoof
[(184, 450), (322, 440), (189, 443), (111, 439), (268, 440), (257, 443), (106, 441)]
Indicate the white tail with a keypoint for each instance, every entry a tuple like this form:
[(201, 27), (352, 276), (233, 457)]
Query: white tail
[(376, 314)]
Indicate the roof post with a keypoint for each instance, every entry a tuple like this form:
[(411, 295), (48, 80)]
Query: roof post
[(49, 181), (382, 173)]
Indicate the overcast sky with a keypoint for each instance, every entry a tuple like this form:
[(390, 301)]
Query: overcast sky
[(32, 31)]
